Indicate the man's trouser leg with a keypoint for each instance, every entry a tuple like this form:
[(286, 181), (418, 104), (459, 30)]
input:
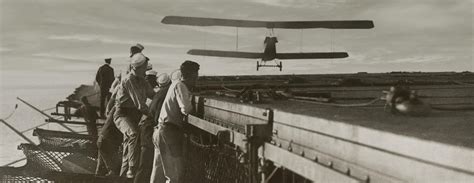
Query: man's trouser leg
[(103, 97), (146, 153), (108, 154), (146, 164), (157, 175), (128, 126), (170, 143), (101, 167)]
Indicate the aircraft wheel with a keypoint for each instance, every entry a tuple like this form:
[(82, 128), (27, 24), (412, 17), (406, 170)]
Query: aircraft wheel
[(257, 65), (281, 66)]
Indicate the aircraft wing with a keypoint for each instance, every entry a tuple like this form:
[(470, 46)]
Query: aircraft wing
[(313, 55), (233, 54), (338, 24)]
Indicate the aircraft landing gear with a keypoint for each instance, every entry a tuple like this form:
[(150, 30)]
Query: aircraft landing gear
[(260, 64)]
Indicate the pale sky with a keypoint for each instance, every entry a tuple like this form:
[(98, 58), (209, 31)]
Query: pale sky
[(73, 36)]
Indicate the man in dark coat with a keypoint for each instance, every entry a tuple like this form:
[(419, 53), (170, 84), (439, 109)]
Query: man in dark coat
[(105, 77)]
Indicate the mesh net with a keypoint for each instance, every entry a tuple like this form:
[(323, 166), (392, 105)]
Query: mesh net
[(213, 163), (20, 174), (52, 159), (65, 139)]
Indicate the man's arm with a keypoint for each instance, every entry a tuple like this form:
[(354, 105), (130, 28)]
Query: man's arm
[(150, 93), (98, 76), (111, 103), (183, 97), (138, 97)]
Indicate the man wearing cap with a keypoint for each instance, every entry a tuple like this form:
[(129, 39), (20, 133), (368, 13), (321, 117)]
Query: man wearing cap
[(130, 104), (175, 75), (136, 51), (169, 134), (146, 134), (105, 77), (151, 78)]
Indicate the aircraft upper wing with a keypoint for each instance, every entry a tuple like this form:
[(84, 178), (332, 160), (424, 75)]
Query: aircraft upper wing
[(313, 55), (340, 24), (234, 54)]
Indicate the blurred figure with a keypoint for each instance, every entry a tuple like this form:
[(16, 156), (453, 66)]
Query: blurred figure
[(105, 77), (108, 143), (151, 78), (90, 116), (169, 134), (146, 134), (130, 106)]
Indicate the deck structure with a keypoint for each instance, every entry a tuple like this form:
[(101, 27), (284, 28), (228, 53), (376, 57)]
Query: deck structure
[(332, 128)]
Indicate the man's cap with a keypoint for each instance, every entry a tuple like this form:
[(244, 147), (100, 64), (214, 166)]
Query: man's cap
[(137, 60), (151, 72), (138, 45), (176, 75), (163, 79)]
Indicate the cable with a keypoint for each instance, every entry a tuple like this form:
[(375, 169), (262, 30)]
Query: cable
[(237, 39), (340, 105), (47, 109), (453, 108)]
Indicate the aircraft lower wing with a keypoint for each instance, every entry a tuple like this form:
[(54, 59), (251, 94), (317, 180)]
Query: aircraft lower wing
[(217, 53), (336, 24), (313, 55)]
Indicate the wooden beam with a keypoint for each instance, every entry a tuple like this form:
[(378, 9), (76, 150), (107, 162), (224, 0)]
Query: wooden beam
[(236, 138), (302, 166)]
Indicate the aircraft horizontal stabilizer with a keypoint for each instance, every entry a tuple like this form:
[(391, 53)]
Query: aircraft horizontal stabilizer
[(217, 53), (337, 24), (313, 55)]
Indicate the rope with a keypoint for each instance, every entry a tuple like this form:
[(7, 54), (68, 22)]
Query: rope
[(340, 105), (228, 89), (11, 114), (232, 90), (301, 40), (463, 83)]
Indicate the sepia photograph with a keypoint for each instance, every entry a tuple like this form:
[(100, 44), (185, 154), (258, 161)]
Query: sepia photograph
[(236, 91)]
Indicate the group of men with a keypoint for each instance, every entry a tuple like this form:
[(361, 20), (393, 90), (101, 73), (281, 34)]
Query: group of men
[(146, 115)]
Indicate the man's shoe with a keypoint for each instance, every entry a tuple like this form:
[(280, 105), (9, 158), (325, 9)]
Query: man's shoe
[(130, 173), (110, 174)]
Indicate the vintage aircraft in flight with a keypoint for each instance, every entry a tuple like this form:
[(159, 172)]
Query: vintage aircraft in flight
[(269, 53)]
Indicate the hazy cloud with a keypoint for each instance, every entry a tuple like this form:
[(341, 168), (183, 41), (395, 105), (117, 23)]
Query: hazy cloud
[(111, 40)]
